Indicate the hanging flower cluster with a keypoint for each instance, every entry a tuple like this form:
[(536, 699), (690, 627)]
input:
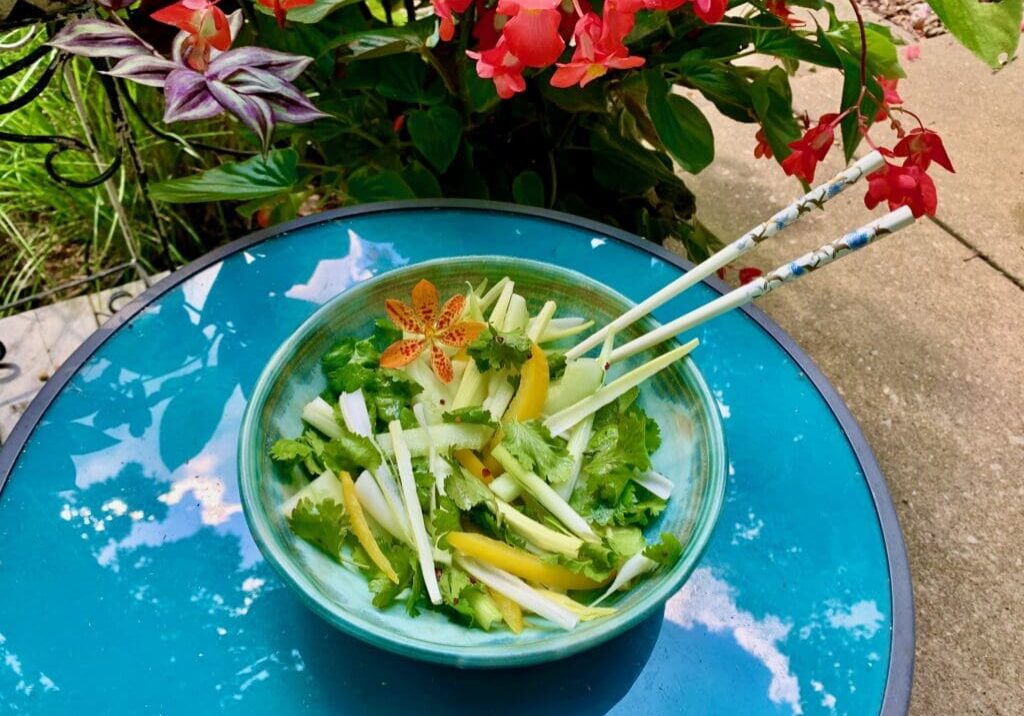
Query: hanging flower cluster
[(517, 35), (906, 184)]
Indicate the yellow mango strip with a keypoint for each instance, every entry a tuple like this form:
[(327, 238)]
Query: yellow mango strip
[(518, 562), (361, 527), (534, 380), (468, 459), (511, 613)]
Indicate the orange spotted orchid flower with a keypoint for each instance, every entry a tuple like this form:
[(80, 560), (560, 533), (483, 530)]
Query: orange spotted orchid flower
[(432, 326)]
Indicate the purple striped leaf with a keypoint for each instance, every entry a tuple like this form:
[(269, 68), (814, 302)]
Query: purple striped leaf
[(97, 38), (145, 69), (188, 97), (251, 110), (282, 64)]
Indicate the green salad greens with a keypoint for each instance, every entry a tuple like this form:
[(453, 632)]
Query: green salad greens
[(462, 464)]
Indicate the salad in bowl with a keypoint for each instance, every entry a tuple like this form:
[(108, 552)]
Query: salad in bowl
[(441, 455)]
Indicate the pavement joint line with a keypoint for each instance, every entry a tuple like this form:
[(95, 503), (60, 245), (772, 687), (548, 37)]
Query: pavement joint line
[(978, 253)]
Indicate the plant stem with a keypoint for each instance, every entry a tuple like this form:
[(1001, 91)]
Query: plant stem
[(436, 64)]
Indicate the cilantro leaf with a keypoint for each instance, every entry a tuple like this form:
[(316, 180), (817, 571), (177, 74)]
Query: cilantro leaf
[(533, 446), (322, 523), (470, 415), (665, 552), (285, 450), (616, 451), (637, 506), (384, 334), (353, 365), (625, 541), (444, 518), (595, 561), (466, 492), (462, 596), (497, 349), (350, 452), (556, 364), (424, 481), (403, 560)]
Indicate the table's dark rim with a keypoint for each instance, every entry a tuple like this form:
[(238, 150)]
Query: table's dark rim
[(896, 698)]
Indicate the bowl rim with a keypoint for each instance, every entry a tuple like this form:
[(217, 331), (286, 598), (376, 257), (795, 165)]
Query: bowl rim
[(478, 656)]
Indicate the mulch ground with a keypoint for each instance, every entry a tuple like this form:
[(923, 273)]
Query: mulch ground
[(912, 15)]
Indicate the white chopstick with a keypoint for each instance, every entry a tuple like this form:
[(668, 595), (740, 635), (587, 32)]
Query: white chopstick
[(815, 198), (888, 224)]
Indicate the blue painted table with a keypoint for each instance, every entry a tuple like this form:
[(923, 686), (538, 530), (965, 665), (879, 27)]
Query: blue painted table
[(130, 583)]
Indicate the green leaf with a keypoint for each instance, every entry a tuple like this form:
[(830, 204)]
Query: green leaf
[(681, 126), (882, 57), (408, 78), (466, 492), (592, 98), (285, 450), (252, 179), (724, 87), (534, 447), (988, 29), (368, 184), (422, 181), (470, 415), (436, 133), (382, 42), (351, 453), (322, 523), (773, 103), (528, 188), (625, 166), (666, 552), (444, 518), (646, 23), (310, 14), (480, 93), (499, 349)]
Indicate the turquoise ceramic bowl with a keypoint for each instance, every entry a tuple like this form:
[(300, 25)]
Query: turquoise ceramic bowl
[(692, 455)]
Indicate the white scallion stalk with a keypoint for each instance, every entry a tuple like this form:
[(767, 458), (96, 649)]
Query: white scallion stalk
[(506, 487), (518, 591), (517, 315), (469, 387), (492, 295), (497, 317), (480, 288), (319, 414), (557, 331), (373, 501), (655, 483), (585, 612), (435, 394), (635, 566), (580, 436), (500, 395), (539, 323), (424, 550), (578, 441), (354, 413), (439, 467), (325, 487), (444, 436), (357, 419), (545, 495), (537, 534), (561, 421)]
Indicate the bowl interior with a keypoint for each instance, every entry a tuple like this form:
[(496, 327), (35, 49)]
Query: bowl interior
[(691, 454)]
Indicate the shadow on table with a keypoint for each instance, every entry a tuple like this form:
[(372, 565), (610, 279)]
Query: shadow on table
[(364, 679)]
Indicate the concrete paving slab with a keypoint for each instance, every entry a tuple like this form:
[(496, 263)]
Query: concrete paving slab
[(64, 325), (24, 369), (923, 341), (980, 115)]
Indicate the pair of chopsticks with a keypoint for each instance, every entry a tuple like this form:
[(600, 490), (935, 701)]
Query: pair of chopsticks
[(788, 272)]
